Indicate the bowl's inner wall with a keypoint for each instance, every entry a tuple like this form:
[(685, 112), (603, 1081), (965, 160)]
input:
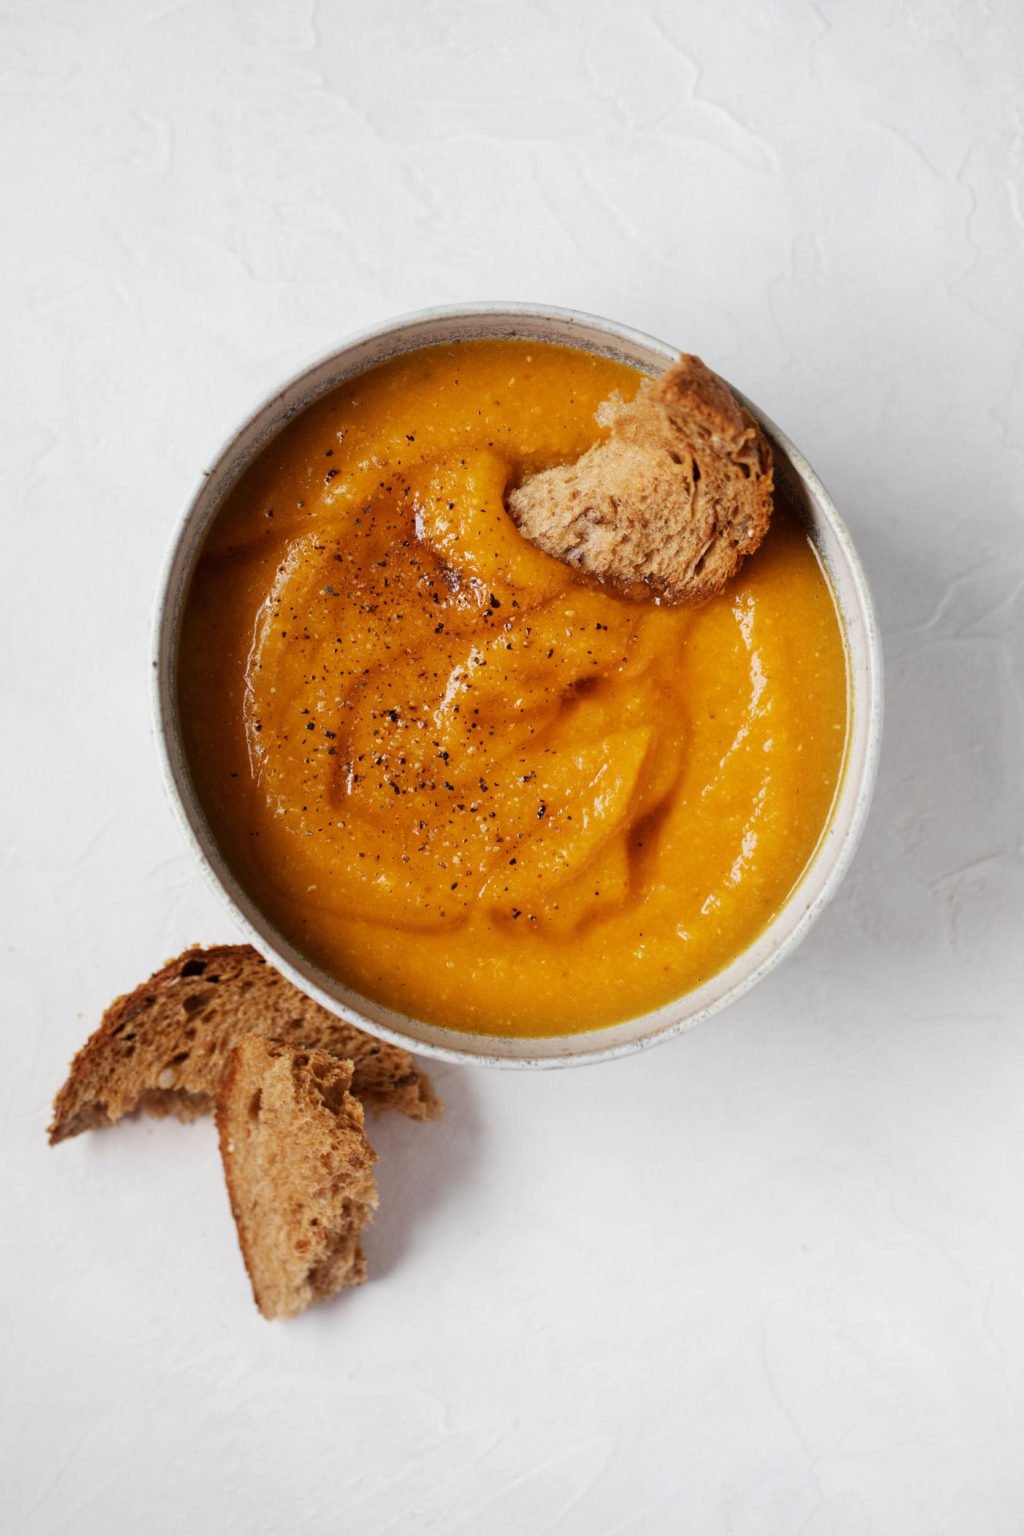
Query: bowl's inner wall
[(796, 482)]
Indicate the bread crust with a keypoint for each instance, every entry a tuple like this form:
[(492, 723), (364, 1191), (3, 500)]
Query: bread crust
[(163, 1048), (670, 503)]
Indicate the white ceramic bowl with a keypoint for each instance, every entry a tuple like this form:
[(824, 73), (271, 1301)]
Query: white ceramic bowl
[(793, 474)]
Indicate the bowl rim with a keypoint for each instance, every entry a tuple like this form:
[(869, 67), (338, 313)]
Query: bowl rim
[(865, 708)]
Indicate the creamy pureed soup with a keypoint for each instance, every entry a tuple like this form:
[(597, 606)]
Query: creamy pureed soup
[(463, 780)]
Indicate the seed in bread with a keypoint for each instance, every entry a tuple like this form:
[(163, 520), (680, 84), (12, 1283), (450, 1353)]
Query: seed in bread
[(163, 1048), (299, 1172), (670, 503)]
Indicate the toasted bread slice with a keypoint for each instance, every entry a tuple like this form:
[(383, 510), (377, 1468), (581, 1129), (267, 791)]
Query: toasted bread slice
[(670, 503), (299, 1172), (163, 1048)]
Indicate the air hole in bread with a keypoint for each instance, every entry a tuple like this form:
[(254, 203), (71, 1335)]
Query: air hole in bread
[(194, 1002), (193, 968), (254, 1104), (699, 566), (333, 1095)]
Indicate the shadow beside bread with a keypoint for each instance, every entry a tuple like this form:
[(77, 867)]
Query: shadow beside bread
[(421, 1168)]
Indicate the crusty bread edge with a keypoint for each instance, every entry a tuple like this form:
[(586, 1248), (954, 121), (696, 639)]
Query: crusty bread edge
[(220, 1120)]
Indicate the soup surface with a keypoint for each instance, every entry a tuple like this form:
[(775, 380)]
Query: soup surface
[(467, 783)]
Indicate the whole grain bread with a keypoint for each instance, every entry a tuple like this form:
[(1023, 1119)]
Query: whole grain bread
[(299, 1172), (164, 1047), (670, 503)]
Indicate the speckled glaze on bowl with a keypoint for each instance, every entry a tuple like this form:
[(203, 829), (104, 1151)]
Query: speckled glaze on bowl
[(801, 485)]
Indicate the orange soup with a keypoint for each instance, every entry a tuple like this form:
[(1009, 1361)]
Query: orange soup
[(468, 783)]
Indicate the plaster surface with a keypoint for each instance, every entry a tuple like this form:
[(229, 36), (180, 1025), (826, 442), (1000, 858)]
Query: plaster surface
[(764, 1279)]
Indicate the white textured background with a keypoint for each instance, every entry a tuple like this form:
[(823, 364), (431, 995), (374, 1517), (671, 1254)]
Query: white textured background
[(769, 1278)]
